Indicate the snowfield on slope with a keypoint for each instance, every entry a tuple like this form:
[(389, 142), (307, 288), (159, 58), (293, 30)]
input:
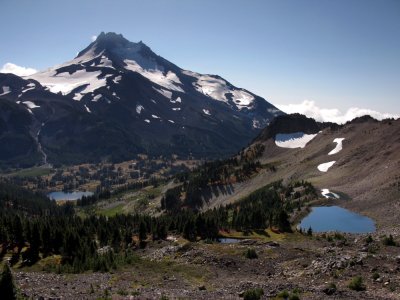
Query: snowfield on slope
[(325, 166), (65, 82), (293, 140), (218, 88), (328, 194), (169, 81), (339, 146)]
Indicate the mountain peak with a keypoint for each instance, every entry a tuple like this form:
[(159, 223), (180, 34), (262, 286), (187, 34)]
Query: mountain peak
[(111, 37), (115, 43)]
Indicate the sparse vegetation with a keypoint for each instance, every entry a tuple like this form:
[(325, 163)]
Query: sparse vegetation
[(375, 276), (330, 289), (357, 284), (251, 253), (253, 294), (369, 239), (389, 241)]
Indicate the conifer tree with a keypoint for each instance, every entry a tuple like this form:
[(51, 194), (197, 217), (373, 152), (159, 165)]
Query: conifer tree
[(7, 287)]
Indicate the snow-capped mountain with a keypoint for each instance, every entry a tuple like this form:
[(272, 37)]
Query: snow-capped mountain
[(149, 105)]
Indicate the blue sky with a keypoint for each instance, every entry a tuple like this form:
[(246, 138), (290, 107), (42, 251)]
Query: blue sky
[(336, 54)]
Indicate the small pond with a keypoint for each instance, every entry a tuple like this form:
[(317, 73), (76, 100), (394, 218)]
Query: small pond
[(228, 240), (335, 218), (69, 196)]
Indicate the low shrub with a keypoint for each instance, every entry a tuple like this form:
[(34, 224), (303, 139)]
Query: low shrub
[(253, 294), (251, 254), (356, 284)]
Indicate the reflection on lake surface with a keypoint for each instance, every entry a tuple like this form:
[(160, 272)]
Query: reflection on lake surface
[(335, 218), (69, 196)]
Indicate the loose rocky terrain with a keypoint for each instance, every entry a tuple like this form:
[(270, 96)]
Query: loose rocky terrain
[(295, 263)]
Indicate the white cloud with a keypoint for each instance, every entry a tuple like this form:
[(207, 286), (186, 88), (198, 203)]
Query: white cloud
[(17, 70), (310, 109), (93, 38)]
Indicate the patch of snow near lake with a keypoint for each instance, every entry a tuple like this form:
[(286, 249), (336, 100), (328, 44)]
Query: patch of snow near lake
[(339, 146), (325, 166), (207, 112), (169, 81), (328, 194), (87, 109), (6, 90), (293, 140), (30, 104), (217, 88), (139, 109), (147, 120)]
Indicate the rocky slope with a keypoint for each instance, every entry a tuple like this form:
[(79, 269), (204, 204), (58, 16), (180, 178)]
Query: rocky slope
[(309, 267), (364, 165)]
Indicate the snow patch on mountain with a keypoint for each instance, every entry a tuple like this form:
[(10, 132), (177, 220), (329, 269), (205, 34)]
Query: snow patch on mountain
[(97, 97), (28, 89), (139, 109), (256, 124), (293, 140), (30, 104), (206, 111), (176, 108), (105, 62), (169, 81), (147, 120), (117, 79), (87, 109), (328, 194), (339, 146), (6, 90), (325, 166), (218, 89), (65, 82), (165, 93), (155, 116), (115, 95), (177, 100)]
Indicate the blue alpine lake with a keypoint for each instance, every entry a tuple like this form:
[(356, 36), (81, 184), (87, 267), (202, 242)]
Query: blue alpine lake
[(68, 196), (335, 218)]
